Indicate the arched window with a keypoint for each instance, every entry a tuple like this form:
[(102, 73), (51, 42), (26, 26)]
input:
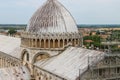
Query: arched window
[(51, 43), (69, 40), (42, 43), (46, 42), (38, 43), (56, 43), (61, 43), (65, 43)]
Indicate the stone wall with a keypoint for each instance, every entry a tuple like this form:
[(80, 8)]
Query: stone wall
[(8, 61), (41, 74)]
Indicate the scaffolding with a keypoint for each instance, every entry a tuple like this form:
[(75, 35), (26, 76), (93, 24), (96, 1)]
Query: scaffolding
[(106, 67)]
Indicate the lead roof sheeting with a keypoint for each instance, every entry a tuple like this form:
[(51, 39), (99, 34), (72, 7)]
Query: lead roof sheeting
[(68, 63)]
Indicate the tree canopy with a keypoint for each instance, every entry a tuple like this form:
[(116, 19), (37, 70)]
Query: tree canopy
[(95, 38), (12, 31)]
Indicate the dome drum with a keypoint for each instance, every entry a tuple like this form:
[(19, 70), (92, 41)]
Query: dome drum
[(49, 41)]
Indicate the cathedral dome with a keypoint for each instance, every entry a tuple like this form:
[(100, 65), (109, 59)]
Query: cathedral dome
[(52, 17)]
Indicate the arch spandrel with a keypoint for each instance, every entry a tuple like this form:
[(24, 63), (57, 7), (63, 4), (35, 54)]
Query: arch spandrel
[(40, 56)]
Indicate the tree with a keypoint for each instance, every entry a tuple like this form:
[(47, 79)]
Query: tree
[(12, 31), (95, 38)]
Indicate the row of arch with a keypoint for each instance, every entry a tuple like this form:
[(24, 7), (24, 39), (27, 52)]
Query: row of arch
[(44, 75), (8, 61), (49, 43)]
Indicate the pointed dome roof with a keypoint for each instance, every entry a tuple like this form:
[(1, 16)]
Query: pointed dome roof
[(52, 17)]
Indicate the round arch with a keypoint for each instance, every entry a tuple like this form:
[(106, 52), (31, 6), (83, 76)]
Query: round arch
[(73, 42), (61, 43), (38, 42), (56, 43), (40, 56), (65, 42), (46, 43), (25, 56), (51, 43), (42, 43)]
